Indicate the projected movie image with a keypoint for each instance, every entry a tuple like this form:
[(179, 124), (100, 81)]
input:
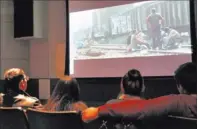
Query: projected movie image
[(152, 28)]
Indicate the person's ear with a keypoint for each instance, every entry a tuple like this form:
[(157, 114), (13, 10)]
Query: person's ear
[(22, 86), (143, 88), (121, 87), (180, 89)]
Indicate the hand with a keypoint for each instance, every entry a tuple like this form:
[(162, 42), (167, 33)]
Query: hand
[(121, 96), (90, 114)]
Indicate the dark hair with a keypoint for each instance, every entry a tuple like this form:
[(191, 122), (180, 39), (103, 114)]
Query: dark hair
[(12, 85), (132, 82), (66, 92), (12, 78), (186, 76)]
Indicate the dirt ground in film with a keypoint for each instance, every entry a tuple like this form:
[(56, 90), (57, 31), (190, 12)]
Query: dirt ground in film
[(119, 51)]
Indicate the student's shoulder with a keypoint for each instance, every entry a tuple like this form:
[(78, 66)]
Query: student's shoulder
[(81, 103), (79, 106), (113, 101)]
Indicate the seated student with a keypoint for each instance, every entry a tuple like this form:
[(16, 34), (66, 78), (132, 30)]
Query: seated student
[(65, 96), (132, 85), (15, 86), (184, 104)]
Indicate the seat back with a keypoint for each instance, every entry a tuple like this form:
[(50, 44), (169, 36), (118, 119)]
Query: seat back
[(182, 122), (170, 122), (54, 120), (13, 118), (107, 122)]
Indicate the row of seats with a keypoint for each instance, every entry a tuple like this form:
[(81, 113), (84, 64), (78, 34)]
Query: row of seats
[(16, 118)]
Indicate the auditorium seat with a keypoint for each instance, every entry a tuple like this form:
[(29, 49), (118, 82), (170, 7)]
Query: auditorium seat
[(54, 120), (170, 122), (12, 118), (182, 122)]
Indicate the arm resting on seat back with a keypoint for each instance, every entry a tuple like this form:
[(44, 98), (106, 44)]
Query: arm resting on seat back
[(142, 109)]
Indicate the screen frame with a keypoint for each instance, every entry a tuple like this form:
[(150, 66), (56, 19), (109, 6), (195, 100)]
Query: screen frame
[(67, 44), (192, 30)]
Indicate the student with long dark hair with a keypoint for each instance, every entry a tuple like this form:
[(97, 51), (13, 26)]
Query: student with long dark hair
[(65, 96), (15, 90), (131, 86)]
